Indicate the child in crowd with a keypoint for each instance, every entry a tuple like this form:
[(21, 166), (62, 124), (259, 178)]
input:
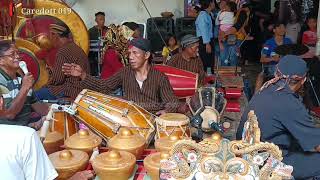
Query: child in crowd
[(293, 29), (309, 37), (226, 19), (171, 49)]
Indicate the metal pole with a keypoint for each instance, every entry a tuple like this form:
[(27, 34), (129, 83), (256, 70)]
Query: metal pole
[(155, 25), (318, 34)]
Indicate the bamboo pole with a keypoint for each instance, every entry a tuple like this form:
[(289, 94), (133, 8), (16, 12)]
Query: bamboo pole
[(318, 33)]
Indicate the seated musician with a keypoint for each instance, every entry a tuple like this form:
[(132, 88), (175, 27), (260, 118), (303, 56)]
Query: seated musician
[(59, 85), (140, 82), (23, 156), (17, 94), (188, 59), (112, 59), (284, 120)]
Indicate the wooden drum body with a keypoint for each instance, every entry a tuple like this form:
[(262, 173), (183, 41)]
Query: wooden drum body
[(173, 124), (184, 83), (105, 115), (63, 123)]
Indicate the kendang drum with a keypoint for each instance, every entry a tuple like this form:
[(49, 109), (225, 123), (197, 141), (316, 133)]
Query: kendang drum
[(173, 124), (184, 83), (64, 124), (206, 107), (104, 115)]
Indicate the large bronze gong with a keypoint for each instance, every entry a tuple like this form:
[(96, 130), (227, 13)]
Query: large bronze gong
[(32, 33), (63, 13)]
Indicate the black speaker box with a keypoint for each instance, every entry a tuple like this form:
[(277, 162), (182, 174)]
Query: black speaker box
[(164, 24), (156, 42), (185, 25)]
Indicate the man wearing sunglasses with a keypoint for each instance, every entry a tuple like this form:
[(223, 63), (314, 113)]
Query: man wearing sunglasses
[(20, 104)]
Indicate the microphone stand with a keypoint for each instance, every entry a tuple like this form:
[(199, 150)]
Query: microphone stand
[(154, 23), (99, 56), (314, 91)]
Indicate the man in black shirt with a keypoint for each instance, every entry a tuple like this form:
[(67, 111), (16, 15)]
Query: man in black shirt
[(95, 33)]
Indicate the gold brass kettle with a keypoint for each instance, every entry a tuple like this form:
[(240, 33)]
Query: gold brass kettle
[(152, 164), (165, 144), (53, 142), (83, 140), (69, 162), (114, 164), (126, 140)]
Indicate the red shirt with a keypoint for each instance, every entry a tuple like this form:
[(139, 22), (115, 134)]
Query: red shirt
[(111, 63), (309, 38)]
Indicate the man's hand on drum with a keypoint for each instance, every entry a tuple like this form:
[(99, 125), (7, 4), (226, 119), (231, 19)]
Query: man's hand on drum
[(159, 113), (73, 70)]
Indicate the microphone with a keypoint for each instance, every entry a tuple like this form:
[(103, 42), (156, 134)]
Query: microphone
[(59, 101), (23, 66)]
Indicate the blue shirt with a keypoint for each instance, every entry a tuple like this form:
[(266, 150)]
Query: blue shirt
[(270, 46), (284, 121), (204, 27)]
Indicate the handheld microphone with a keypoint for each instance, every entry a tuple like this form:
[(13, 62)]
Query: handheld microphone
[(23, 66)]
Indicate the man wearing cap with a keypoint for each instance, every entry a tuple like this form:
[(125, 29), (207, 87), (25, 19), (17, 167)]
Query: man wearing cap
[(285, 121), (60, 85), (188, 59), (140, 82)]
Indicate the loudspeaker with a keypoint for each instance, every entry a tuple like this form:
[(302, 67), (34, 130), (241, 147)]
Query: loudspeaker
[(165, 26), (156, 42), (184, 26)]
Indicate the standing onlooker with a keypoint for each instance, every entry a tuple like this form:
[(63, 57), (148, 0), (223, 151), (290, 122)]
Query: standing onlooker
[(269, 58), (226, 20), (293, 29), (222, 4), (204, 28), (309, 37), (236, 35), (95, 33)]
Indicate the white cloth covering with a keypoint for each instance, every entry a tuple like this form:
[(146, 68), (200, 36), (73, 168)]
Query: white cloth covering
[(22, 156)]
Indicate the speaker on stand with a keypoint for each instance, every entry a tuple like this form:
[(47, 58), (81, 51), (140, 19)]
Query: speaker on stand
[(165, 26), (184, 26)]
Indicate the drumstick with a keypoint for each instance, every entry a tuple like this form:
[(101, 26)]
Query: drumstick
[(45, 127)]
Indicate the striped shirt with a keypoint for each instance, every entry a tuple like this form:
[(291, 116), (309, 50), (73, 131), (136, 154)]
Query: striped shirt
[(68, 85), (9, 90), (156, 93), (194, 65)]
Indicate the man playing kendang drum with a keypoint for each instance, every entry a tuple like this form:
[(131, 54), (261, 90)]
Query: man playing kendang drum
[(16, 91), (60, 85), (140, 82), (188, 59), (284, 120)]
